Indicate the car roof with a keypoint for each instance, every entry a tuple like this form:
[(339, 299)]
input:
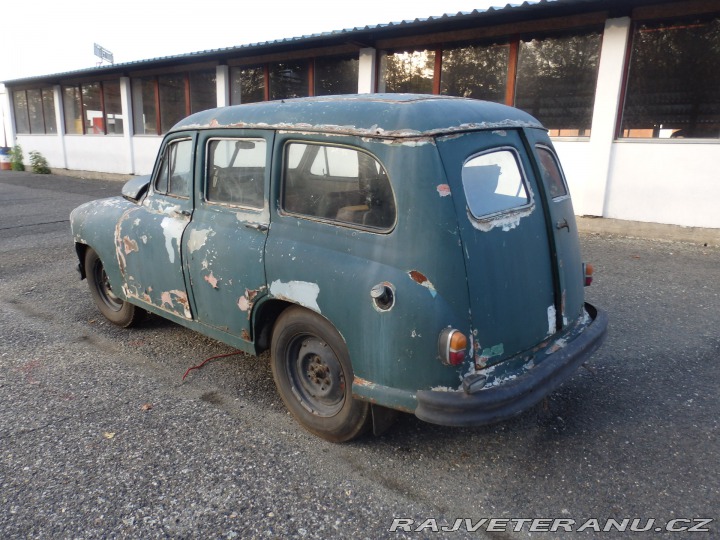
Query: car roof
[(367, 115)]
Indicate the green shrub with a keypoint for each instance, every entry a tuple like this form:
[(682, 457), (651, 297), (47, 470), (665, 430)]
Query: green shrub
[(16, 158), (38, 163)]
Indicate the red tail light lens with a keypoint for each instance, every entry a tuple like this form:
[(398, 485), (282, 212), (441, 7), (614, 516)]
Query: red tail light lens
[(452, 347), (588, 274)]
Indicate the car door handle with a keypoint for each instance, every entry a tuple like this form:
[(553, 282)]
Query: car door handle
[(562, 225), (257, 226), (186, 213)]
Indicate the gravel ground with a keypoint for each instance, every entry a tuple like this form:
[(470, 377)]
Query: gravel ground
[(100, 438)]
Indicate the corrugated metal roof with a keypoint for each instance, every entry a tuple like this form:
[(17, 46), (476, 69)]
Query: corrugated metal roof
[(356, 32)]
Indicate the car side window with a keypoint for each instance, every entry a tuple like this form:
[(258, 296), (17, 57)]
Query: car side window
[(236, 172), (493, 182), (176, 170), (339, 184), (550, 169)]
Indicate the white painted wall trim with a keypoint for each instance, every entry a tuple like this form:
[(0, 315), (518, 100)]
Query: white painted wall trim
[(60, 125), (607, 104), (128, 125), (222, 78), (367, 70)]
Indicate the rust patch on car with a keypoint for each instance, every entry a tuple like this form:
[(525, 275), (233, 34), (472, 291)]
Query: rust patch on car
[(129, 245), (245, 335), (212, 280), (421, 279), (169, 298), (443, 190), (364, 382)]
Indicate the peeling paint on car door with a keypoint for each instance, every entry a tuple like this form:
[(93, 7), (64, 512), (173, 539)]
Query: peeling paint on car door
[(148, 237), (225, 242)]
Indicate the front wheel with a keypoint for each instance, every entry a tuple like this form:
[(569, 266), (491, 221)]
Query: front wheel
[(313, 375), (110, 305)]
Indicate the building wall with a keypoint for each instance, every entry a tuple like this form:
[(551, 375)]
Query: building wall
[(658, 180)]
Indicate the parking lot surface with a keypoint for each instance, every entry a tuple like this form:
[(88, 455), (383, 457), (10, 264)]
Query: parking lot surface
[(100, 437)]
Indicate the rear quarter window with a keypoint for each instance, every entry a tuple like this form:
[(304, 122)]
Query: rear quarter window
[(493, 183), (339, 184)]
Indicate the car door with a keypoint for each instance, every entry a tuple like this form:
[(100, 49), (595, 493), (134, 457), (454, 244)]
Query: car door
[(225, 241), (149, 236), (504, 232)]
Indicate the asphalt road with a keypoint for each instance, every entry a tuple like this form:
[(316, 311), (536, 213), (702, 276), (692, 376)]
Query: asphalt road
[(99, 438)]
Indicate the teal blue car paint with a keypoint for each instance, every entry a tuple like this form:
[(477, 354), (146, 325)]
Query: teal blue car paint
[(392, 217)]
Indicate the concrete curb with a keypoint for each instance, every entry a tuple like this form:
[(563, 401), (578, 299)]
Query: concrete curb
[(651, 231)]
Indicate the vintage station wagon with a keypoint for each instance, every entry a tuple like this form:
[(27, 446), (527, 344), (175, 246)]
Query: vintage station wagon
[(394, 252)]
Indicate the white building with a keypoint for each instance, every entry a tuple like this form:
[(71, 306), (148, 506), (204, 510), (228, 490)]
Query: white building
[(630, 90)]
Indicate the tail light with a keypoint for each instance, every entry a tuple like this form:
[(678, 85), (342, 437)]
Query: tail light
[(452, 347), (587, 274)]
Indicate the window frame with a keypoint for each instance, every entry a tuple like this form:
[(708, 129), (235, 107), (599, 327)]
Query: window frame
[(523, 178), (556, 159), (206, 175), (161, 165), (48, 120), (345, 224)]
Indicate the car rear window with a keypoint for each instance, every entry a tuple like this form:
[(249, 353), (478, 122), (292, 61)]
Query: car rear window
[(493, 182), (339, 184)]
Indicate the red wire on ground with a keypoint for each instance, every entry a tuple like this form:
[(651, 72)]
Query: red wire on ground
[(207, 360)]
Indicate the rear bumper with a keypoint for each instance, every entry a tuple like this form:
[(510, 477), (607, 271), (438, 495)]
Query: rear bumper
[(509, 399)]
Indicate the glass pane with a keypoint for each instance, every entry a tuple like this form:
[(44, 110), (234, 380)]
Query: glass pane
[(673, 88), (236, 172), (180, 168), (113, 108), (35, 111), (411, 72), (144, 107), (172, 100), (493, 183), (92, 106), (336, 76), (288, 80), (556, 81), (22, 122), (247, 85), (48, 98), (339, 184), (552, 176), (203, 90), (73, 114), (476, 72)]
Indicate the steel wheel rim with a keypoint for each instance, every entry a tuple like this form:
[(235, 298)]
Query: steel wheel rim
[(104, 288), (316, 375)]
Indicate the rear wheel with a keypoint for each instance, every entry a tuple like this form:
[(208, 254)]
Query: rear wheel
[(110, 305), (313, 375)]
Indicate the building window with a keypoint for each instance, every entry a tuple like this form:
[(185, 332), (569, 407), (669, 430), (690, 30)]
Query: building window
[(247, 85), (92, 109), (34, 111), (336, 76), (144, 106), (203, 90), (114, 118), (289, 79), (673, 87), (170, 98), (476, 72), (411, 72), (20, 107), (556, 82), (73, 110), (48, 102)]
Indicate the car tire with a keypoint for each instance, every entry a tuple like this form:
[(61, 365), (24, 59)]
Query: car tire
[(313, 374), (113, 308)]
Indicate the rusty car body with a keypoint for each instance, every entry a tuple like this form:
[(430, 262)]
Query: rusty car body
[(404, 252)]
